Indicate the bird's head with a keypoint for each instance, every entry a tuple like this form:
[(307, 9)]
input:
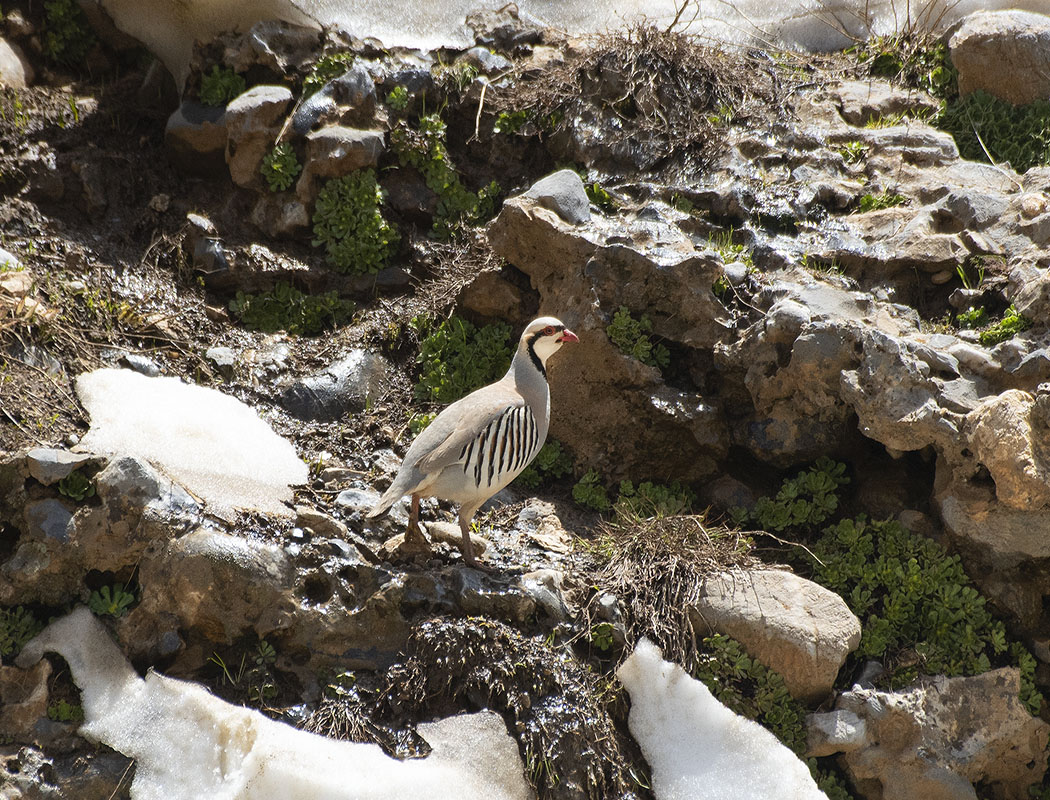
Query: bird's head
[(543, 337)]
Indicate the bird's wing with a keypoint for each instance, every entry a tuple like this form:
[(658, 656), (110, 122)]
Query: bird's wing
[(466, 420)]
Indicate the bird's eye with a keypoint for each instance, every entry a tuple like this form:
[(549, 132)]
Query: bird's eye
[(549, 330)]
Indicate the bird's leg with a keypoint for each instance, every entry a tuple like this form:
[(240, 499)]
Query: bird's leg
[(414, 534), (466, 546)]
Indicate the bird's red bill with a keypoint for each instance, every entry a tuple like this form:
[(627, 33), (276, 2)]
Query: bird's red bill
[(567, 336)]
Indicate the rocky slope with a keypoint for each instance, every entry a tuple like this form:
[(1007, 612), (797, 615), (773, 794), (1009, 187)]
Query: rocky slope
[(769, 261)]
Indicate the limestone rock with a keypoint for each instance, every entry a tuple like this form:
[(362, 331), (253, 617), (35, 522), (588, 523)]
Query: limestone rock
[(347, 385), (929, 739), (861, 101), (15, 70), (563, 193), (832, 732), (335, 151), (793, 626), (251, 124), (23, 700), (1009, 436), (1005, 53), (49, 465), (195, 135)]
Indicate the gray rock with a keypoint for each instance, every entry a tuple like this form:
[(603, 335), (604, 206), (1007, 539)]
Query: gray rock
[(477, 593), (563, 193), (344, 386), (485, 61), (252, 127), (141, 364), (335, 151), (49, 518), (195, 136), (864, 100), (274, 44), (15, 70), (350, 97), (544, 586), (1005, 53), (280, 215), (49, 465), (832, 732), (225, 358), (785, 321)]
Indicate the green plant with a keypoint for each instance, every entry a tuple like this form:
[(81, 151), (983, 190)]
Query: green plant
[(911, 59), (972, 318), (600, 197), (885, 121), (64, 711), (590, 492), (649, 499), (631, 336), (76, 486), (220, 86), (807, 499), (510, 121), (918, 609), (67, 34), (552, 462), (853, 152), (682, 203), (254, 679), (1009, 326), (286, 308), (602, 635), (417, 423), (111, 600), (986, 127), (17, 626), (876, 202), (424, 149), (966, 280), (398, 98), (723, 244), (348, 223), (328, 66), (280, 167), (721, 287), (456, 357), (455, 77)]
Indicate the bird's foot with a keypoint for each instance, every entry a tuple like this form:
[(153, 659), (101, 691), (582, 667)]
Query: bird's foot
[(407, 545)]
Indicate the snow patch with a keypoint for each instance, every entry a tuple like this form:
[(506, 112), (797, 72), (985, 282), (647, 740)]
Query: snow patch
[(699, 749), (212, 444), (189, 744)]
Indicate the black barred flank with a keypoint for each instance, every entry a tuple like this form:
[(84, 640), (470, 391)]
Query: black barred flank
[(505, 446)]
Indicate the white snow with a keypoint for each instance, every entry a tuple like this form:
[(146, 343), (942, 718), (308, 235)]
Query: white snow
[(169, 29), (212, 444), (189, 744), (699, 749)]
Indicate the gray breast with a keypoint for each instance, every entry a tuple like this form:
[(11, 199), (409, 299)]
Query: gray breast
[(503, 448)]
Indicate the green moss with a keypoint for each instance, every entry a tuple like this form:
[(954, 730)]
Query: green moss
[(912, 60), (68, 37), (285, 308), (17, 626), (64, 711), (597, 194), (590, 492), (804, 501), (348, 223), (551, 463), (328, 66), (220, 86), (919, 610), (631, 336), (456, 357), (424, 149), (280, 167), (1009, 326), (1019, 135), (510, 121)]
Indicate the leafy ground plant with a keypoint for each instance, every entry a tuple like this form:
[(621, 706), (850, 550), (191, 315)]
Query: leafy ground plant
[(328, 66), (67, 33), (349, 225), (808, 499), (285, 308), (551, 463), (220, 86), (649, 499), (876, 202), (590, 492), (76, 486), (1009, 326), (17, 626), (456, 357), (112, 601), (280, 167), (631, 336), (985, 126)]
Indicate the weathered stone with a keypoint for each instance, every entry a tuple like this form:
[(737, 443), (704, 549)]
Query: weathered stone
[(335, 151), (563, 193), (279, 215), (545, 587), (793, 626), (49, 519), (251, 124), (485, 61), (832, 732), (49, 465), (1010, 438), (476, 593), (15, 70), (1005, 53), (274, 44), (491, 295), (346, 385), (862, 101), (23, 700), (195, 135), (930, 739)]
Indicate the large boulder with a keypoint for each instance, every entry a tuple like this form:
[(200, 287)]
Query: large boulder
[(1005, 53), (252, 126)]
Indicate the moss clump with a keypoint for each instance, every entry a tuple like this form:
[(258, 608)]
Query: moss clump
[(631, 336), (349, 224), (1009, 326), (876, 202), (915, 60), (280, 167), (285, 308), (220, 86), (456, 357), (1019, 135), (590, 492)]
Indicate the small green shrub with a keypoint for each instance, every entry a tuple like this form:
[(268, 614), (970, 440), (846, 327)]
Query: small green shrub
[(285, 308), (17, 626), (76, 486), (349, 224), (649, 499), (64, 711), (597, 194), (631, 336), (220, 86), (328, 66), (456, 357), (455, 77), (551, 463), (280, 167), (68, 37), (590, 492), (680, 202), (803, 501), (876, 202), (911, 60), (602, 635), (398, 98), (912, 597), (254, 678), (417, 423), (1009, 326), (1019, 135), (424, 150), (972, 318), (510, 121), (111, 601)]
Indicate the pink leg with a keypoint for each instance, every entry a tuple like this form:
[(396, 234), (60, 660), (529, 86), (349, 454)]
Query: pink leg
[(466, 546), (414, 532)]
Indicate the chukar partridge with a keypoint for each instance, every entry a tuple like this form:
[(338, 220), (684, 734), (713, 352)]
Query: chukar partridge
[(480, 443)]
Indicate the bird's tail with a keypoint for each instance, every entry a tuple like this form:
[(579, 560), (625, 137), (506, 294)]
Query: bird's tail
[(390, 496)]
